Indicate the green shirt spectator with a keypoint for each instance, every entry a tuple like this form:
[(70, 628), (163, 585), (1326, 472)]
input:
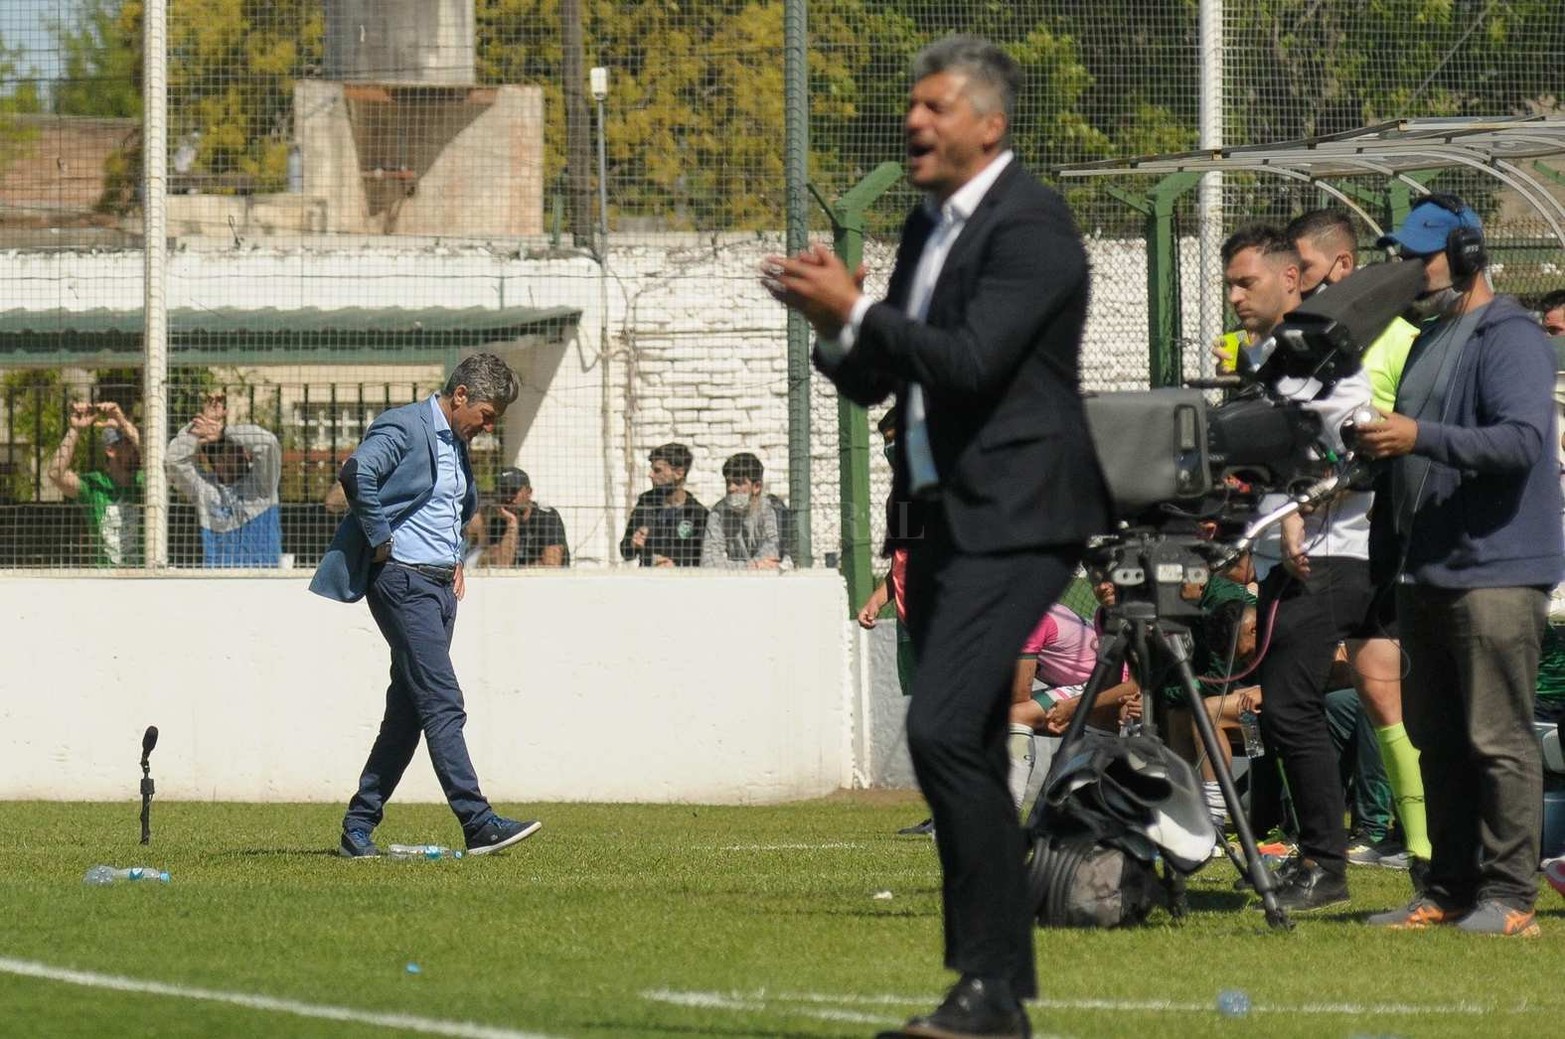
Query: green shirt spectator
[(112, 495)]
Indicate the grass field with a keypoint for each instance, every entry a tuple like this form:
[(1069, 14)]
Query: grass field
[(662, 921)]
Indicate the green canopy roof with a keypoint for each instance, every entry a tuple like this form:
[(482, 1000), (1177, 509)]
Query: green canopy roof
[(351, 335)]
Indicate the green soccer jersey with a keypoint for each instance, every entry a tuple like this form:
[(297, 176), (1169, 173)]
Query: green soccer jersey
[(1384, 360), (1551, 665), (115, 512)]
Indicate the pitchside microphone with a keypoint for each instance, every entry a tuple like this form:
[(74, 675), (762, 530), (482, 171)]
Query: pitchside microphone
[(149, 739)]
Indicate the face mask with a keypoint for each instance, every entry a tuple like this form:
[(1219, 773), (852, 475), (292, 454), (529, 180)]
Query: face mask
[(890, 451), (1435, 303), (737, 500)]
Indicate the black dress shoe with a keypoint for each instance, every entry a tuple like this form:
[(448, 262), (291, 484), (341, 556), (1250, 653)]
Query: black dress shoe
[(975, 1008), (1311, 887)]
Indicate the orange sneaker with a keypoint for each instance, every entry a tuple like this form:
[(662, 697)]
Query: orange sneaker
[(1418, 914), (1491, 916)]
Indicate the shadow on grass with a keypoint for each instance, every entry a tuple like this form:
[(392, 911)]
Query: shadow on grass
[(1203, 900)]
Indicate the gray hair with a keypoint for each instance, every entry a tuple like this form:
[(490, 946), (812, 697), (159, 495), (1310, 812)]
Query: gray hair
[(487, 378), (993, 77)]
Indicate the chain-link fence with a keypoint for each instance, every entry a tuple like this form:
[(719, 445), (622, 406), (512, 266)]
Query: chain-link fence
[(361, 191)]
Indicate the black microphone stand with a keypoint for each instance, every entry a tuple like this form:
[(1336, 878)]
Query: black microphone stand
[(148, 741)]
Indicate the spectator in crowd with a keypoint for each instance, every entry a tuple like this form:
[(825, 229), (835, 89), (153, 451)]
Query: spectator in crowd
[(1327, 247), (1552, 311), (112, 495), (1315, 587), (741, 530), (411, 491), (230, 473), (667, 525), (1476, 511), (1059, 655), (517, 531), (892, 588)]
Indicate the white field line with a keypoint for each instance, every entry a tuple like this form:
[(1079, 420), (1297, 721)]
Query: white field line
[(761, 999), (827, 846), (403, 1022)]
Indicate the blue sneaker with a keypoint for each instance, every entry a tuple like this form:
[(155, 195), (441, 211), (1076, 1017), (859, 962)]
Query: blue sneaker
[(356, 844), (500, 833)]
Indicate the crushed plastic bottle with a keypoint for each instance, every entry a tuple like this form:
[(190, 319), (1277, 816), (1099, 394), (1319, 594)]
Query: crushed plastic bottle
[(1250, 724), (103, 876), (418, 852), (1232, 1002)]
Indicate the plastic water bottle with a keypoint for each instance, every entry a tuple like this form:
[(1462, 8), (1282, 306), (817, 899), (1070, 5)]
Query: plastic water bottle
[(1250, 724), (1232, 1002), (419, 852), (103, 876)]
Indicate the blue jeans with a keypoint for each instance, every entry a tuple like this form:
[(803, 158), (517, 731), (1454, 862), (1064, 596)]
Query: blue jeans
[(417, 615)]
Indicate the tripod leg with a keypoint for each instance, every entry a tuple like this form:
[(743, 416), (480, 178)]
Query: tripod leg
[(1105, 674), (1260, 876)]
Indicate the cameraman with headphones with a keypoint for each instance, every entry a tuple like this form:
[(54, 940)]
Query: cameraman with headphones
[(1476, 512)]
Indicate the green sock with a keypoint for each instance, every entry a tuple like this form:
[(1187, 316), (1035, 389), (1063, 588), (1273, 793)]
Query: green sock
[(1407, 785)]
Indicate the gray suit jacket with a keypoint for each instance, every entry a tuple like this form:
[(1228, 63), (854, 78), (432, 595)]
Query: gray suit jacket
[(388, 478)]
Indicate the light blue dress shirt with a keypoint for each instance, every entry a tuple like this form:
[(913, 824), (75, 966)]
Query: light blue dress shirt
[(433, 534)]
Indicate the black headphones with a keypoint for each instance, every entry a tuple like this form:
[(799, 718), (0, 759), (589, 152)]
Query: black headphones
[(1464, 248)]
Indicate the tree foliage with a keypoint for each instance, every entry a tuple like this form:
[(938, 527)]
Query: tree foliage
[(695, 114), (231, 69), (18, 96)]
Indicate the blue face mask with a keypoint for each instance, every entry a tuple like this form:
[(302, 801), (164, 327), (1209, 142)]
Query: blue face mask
[(890, 451)]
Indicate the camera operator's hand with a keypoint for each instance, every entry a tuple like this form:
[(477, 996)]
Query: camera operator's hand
[(1391, 437), (1294, 559)]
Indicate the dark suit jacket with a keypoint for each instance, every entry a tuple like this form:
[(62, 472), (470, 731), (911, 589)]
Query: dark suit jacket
[(388, 478), (998, 356)]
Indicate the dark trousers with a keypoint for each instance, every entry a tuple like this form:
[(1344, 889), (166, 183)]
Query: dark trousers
[(1312, 617), (417, 615), (1467, 703), (1360, 768), (969, 616)]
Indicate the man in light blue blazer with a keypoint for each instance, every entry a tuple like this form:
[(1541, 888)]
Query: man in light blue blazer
[(410, 493)]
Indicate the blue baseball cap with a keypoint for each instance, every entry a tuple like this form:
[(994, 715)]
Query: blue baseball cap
[(1427, 227)]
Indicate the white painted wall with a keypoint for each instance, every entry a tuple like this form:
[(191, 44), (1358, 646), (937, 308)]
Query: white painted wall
[(627, 686)]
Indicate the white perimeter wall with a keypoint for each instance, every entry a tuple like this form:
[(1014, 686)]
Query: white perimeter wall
[(609, 686)]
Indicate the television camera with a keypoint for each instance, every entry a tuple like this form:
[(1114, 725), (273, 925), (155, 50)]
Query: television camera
[(1188, 480)]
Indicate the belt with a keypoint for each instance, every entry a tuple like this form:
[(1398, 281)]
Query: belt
[(433, 571)]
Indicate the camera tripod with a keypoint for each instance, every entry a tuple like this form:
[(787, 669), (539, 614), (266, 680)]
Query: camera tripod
[(1147, 571)]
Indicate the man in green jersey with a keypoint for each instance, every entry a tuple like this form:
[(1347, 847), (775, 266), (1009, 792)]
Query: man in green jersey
[(112, 495)]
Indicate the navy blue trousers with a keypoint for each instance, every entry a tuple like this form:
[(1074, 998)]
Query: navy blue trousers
[(417, 616)]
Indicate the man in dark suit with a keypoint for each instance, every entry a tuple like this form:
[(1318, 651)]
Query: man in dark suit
[(410, 492), (979, 338)]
